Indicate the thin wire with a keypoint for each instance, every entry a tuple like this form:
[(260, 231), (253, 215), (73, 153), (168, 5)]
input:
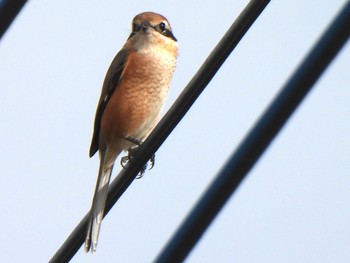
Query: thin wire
[(168, 122), (257, 140)]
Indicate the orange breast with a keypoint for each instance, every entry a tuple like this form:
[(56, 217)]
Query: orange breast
[(138, 99)]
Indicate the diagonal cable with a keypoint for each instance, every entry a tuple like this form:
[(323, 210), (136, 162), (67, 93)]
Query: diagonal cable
[(9, 9), (258, 139)]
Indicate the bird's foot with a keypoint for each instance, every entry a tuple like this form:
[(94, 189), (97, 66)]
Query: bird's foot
[(131, 153), (134, 141)]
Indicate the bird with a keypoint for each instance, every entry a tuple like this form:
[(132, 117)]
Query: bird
[(133, 94)]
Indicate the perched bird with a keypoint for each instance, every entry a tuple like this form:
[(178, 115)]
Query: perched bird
[(133, 94)]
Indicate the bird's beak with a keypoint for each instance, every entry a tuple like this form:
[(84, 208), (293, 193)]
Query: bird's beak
[(145, 26)]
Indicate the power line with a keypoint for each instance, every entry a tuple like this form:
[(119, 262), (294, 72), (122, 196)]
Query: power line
[(9, 9), (258, 139), (168, 122)]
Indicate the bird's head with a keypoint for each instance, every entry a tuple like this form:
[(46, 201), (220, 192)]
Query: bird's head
[(151, 32)]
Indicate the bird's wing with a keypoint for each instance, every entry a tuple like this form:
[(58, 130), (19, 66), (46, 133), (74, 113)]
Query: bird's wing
[(109, 86)]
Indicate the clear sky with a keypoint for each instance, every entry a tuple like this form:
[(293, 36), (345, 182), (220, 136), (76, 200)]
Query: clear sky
[(294, 206)]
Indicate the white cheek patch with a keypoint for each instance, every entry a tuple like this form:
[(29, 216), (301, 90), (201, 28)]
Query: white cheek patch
[(153, 42)]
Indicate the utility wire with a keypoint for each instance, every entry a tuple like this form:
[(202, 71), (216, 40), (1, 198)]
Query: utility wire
[(9, 9), (257, 140), (168, 122)]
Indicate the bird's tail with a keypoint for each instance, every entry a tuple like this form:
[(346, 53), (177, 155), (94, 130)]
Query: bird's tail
[(98, 205)]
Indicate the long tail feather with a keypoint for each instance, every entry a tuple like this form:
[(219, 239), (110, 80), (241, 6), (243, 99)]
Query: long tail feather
[(98, 205)]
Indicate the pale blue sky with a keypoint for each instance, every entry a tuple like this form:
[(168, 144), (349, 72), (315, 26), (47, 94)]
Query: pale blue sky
[(293, 207)]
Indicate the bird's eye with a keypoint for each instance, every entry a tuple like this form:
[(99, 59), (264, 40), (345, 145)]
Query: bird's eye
[(162, 26), (136, 27), (164, 29)]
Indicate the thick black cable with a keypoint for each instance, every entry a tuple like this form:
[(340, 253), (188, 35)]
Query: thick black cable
[(168, 122), (257, 140), (9, 9)]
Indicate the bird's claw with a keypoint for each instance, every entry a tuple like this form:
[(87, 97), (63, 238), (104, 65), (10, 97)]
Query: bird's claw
[(124, 160), (131, 152), (152, 161)]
